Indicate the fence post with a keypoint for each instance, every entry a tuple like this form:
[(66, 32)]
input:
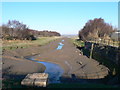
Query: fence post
[(91, 50), (118, 43), (108, 41), (113, 43)]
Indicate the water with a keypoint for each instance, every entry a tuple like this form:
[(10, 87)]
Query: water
[(54, 71), (55, 74), (60, 46)]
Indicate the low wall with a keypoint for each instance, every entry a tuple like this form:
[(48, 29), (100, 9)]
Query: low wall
[(109, 52)]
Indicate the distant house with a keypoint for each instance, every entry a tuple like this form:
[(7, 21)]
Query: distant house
[(115, 36)]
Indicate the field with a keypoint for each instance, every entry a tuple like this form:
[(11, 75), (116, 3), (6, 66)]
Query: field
[(14, 44)]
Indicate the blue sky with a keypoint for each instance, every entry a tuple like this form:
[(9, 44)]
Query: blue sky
[(64, 17)]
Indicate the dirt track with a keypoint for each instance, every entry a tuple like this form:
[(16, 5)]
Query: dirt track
[(68, 58)]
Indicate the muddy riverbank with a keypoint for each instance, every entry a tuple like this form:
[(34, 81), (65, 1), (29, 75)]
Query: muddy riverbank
[(68, 57)]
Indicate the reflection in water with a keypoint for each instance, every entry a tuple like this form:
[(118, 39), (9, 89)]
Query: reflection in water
[(54, 71)]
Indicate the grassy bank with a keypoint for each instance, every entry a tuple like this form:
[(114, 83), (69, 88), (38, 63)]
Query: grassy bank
[(78, 43), (14, 44)]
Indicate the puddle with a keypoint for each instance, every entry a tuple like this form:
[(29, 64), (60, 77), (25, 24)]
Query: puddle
[(60, 46), (54, 71)]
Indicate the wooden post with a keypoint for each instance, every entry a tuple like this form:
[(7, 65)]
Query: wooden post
[(95, 40), (108, 41), (113, 43), (91, 52), (104, 41), (118, 43)]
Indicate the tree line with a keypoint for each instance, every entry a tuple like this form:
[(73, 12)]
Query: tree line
[(96, 29), (17, 30)]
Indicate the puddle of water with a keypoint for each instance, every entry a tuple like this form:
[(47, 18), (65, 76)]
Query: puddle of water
[(60, 46), (54, 71)]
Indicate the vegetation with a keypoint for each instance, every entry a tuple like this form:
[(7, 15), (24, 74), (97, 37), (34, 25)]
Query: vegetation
[(16, 30), (79, 43), (44, 33), (14, 44), (96, 29)]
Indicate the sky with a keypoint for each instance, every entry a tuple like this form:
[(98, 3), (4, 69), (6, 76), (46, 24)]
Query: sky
[(60, 0), (63, 17)]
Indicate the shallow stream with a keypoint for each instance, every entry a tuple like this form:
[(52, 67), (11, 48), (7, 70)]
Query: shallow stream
[(54, 71)]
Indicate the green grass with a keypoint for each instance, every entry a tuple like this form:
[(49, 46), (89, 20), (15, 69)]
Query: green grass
[(14, 44), (79, 43)]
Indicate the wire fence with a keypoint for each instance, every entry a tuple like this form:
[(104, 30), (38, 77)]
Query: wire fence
[(108, 42)]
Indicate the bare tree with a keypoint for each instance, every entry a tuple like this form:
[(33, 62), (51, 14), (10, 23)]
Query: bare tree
[(96, 28), (15, 30)]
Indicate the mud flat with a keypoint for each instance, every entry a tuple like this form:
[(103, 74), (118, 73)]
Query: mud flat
[(75, 65)]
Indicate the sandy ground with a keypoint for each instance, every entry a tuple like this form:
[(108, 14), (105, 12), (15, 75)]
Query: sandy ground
[(69, 58)]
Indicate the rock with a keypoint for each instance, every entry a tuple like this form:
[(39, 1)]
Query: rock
[(40, 82), (36, 79), (28, 82)]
